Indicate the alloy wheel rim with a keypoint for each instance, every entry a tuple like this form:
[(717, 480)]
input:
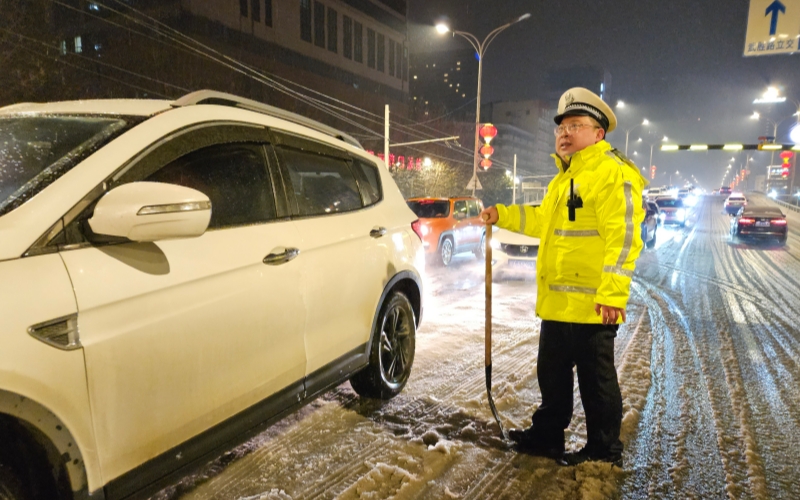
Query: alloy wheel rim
[(447, 251), (395, 345)]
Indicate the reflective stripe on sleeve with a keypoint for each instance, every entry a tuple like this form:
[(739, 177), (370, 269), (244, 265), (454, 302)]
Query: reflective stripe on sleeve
[(626, 246), (522, 218), (573, 289), (618, 270), (576, 232)]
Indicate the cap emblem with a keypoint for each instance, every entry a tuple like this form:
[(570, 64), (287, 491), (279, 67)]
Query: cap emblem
[(568, 98)]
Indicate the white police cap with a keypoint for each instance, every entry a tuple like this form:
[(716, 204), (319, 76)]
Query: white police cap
[(579, 101)]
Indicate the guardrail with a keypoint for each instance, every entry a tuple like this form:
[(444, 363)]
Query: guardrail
[(793, 208)]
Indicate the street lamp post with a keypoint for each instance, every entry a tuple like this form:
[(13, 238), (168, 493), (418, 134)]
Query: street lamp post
[(628, 131), (651, 149), (480, 49)]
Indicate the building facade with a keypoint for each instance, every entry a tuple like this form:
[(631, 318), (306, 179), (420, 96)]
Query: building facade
[(443, 84), (301, 55)]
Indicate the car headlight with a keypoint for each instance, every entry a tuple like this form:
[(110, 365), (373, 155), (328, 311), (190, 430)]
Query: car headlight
[(662, 216), (680, 213), (495, 244)]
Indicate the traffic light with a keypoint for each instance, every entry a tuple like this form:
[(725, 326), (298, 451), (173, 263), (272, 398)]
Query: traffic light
[(488, 132), (653, 172), (786, 156)]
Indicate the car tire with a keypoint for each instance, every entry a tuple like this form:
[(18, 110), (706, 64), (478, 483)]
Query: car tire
[(446, 251), (392, 351), (11, 487), (480, 252)]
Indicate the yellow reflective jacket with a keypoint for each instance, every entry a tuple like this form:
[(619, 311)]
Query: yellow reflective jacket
[(592, 259)]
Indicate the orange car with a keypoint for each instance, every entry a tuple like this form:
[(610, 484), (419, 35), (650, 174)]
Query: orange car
[(450, 226)]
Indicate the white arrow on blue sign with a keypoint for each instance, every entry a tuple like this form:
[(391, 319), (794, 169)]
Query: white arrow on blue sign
[(773, 27)]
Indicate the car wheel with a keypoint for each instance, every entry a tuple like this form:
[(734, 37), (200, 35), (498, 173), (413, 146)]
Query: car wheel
[(652, 242), (480, 252), (446, 251), (11, 487), (392, 351)]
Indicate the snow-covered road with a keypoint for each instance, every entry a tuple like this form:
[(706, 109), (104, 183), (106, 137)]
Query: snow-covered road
[(709, 366)]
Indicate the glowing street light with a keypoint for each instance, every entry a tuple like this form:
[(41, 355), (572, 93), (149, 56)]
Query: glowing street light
[(480, 49)]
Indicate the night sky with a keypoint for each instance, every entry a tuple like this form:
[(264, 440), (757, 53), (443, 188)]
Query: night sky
[(678, 63)]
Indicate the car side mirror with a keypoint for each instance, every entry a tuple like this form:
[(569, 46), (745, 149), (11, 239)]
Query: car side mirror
[(151, 211)]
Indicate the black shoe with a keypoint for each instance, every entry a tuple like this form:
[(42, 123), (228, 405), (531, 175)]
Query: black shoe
[(579, 457), (529, 444)]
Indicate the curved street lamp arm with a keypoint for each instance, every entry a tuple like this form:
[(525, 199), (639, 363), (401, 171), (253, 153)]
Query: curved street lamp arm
[(471, 39), (491, 36)]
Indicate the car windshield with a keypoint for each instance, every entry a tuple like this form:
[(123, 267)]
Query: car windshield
[(669, 203), (36, 150), (429, 209)]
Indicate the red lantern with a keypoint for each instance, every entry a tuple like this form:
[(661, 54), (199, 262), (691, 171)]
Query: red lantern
[(487, 151), (486, 164), (786, 155), (488, 132)]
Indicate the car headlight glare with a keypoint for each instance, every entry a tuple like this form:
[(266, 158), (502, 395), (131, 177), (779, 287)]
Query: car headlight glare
[(662, 216), (495, 244), (680, 213)]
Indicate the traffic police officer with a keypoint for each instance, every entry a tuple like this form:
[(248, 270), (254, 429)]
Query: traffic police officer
[(587, 226)]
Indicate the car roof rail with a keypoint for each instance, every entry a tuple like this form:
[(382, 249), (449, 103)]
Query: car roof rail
[(225, 99)]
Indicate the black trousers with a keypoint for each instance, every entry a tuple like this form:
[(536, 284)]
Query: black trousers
[(590, 348)]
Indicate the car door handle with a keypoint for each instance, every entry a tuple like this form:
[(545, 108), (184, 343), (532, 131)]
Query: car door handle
[(377, 232), (277, 257)]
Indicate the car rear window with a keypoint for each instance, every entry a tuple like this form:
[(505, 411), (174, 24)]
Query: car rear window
[(671, 203), (430, 209), (736, 199), (763, 212), (37, 150)]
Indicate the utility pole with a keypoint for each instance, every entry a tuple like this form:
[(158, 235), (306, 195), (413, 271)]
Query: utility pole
[(386, 137), (514, 183)]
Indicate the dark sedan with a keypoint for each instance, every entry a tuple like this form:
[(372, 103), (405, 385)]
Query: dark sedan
[(760, 222)]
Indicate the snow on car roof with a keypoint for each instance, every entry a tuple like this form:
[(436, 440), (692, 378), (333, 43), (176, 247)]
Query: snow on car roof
[(129, 107)]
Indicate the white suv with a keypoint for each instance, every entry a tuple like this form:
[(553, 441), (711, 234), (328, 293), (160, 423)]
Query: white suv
[(177, 275)]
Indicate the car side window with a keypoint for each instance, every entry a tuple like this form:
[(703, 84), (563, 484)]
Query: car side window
[(460, 210), (322, 184), (233, 176), (473, 208), (369, 180)]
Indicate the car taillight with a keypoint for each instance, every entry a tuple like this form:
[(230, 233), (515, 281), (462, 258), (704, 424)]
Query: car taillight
[(745, 220), (779, 222), (416, 226)]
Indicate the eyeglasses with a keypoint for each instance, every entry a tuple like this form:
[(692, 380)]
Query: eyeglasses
[(571, 128)]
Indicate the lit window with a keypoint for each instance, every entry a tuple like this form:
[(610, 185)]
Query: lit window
[(434, 65), (458, 63), (458, 84), (451, 85), (78, 45), (94, 7), (458, 69), (446, 75), (63, 47), (426, 102), (445, 80), (463, 95), (415, 77)]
